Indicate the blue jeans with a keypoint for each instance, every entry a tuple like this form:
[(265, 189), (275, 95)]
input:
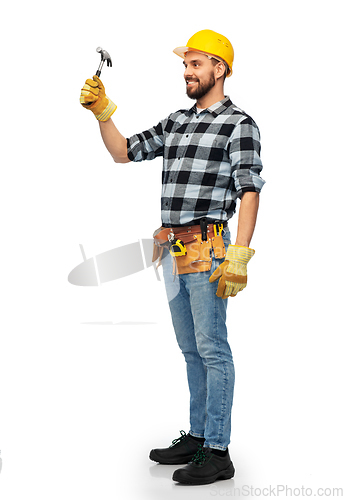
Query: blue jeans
[(199, 321)]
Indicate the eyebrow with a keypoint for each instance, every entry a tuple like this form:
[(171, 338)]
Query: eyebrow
[(193, 61)]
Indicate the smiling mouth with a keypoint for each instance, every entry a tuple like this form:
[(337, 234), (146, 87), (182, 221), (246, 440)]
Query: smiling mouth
[(191, 82)]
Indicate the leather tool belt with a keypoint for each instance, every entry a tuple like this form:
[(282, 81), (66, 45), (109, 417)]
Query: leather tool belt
[(191, 246)]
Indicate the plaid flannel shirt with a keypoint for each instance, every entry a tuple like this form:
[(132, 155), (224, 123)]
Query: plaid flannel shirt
[(209, 160)]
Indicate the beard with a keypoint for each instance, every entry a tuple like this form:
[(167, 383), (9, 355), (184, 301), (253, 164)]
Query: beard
[(201, 89)]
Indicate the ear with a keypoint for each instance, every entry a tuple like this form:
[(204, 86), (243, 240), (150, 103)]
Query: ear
[(220, 70)]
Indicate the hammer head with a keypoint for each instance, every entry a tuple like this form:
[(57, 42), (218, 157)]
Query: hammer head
[(105, 56)]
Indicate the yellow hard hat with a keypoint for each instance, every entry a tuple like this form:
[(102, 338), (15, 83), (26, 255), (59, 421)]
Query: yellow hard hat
[(211, 43)]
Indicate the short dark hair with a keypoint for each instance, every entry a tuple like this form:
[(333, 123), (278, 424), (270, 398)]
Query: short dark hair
[(216, 61)]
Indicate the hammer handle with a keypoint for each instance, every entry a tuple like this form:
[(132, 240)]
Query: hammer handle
[(100, 68)]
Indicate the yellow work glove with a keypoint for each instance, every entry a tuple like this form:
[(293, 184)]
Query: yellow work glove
[(232, 273), (93, 97)]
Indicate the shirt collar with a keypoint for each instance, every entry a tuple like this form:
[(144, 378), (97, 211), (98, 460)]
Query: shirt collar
[(216, 109)]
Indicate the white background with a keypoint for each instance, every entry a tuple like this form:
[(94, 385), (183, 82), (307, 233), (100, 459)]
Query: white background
[(84, 396)]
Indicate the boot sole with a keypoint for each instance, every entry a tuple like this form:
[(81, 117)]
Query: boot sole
[(222, 475)]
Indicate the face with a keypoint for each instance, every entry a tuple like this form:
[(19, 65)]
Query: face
[(199, 75)]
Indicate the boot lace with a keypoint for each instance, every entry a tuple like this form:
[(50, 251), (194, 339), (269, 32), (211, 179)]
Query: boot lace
[(179, 440), (199, 456)]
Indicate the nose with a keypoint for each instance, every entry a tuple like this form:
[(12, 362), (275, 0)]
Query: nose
[(187, 72)]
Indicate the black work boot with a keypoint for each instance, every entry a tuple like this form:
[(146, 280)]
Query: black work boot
[(205, 468), (181, 451)]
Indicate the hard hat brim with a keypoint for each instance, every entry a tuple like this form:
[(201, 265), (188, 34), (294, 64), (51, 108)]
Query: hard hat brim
[(181, 51)]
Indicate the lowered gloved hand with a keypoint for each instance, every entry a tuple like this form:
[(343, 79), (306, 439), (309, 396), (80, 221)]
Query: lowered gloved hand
[(93, 97), (232, 273)]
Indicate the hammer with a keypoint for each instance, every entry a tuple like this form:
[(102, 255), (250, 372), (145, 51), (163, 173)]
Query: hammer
[(105, 56)]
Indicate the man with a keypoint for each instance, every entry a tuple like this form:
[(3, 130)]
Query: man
[(211, 158)]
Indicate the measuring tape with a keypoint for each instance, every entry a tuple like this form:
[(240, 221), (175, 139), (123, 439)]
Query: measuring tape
[(177, 248)]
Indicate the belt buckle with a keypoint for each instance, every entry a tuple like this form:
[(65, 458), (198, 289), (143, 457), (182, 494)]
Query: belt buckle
[(170, 236)]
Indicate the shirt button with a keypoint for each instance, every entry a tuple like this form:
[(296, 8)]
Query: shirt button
[(187, 135)]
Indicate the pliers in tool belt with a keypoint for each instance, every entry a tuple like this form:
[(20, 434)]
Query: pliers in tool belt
[(218, 228)]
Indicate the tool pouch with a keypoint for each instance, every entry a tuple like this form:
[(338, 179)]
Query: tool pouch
[(218, 247), (198, 256), (157, 253), (197, 259)]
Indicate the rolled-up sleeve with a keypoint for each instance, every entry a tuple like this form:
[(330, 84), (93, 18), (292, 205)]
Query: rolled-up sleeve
[(244, 155), (147, 145)]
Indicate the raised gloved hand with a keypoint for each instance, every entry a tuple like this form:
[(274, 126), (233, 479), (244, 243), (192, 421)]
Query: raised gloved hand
[(93, 97), (232, 273)]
